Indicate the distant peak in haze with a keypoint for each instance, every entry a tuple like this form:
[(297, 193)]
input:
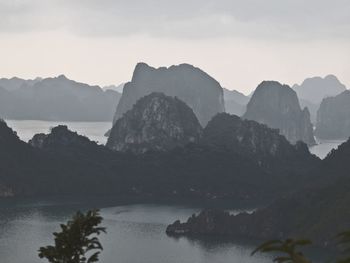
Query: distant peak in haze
[(62, 76), (315, 89)]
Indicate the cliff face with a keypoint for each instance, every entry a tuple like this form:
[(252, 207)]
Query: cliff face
[(156, 122), (190, 84), (277, 106), (333, 117)]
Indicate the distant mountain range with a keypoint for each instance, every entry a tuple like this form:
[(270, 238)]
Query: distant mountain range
[(55, 99)]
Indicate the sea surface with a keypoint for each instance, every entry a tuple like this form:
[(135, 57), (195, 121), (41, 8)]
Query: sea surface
[(323, 147), (135, 233)]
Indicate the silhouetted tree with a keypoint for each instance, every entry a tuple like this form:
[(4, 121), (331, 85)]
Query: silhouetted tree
[(288, 249), (344, 242), (77, 242)]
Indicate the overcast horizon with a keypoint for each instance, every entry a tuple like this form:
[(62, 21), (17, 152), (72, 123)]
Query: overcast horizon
[(239, 43)]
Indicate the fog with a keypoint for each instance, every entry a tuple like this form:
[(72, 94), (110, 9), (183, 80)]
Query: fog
[(239, 43)]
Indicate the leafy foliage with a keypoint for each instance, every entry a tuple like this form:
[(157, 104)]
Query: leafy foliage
[(344, 241), (287, 247), (78, 241), (291, 255)]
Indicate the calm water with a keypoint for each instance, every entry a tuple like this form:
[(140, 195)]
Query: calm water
[(93, 130), (136, 233), (324, 147)]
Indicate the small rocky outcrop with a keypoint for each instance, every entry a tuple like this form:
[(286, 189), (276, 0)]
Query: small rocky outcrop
[(209, 222), (196, 88), (60, 137), (333, 117), (156, 122), (277, 106)]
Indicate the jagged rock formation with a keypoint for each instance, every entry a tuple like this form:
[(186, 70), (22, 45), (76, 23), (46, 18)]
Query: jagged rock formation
[(56, 99), (277, 106), (333, 117), (235, 102), (249, 137), (316, 89), (190, 84), (156, 122)]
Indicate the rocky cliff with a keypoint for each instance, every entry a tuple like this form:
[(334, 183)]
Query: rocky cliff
[(333, 117), (277, 106), (190, 84), (156, 122)]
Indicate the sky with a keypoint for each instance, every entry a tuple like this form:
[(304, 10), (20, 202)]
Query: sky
[(238, 42)]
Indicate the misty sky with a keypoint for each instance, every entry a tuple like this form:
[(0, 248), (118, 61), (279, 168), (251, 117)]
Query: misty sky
[(238, 42)]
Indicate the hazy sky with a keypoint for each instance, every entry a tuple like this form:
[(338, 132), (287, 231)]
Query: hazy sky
[(238, 42)]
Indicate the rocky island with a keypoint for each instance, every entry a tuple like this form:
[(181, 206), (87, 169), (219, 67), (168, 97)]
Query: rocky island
[(278, 107), (156, 122), (197, 89)]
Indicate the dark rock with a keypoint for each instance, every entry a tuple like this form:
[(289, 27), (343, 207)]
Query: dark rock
[(156, 122), (60, 137)]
